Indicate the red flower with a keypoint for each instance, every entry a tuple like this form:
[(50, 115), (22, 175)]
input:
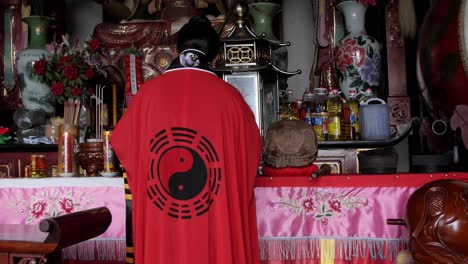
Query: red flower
[(308, 205), (63, 61), (94, 45), (4, 130), (349, 53), (89, 73), (57, 88), (335, 205), (70, 72), (40, 67), (90, 90), (67, 205), (76, 91), (38, 209)]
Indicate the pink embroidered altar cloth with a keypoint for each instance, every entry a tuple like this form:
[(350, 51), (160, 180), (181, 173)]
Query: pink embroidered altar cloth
[(335, 219), (28, 201), (330, 220)]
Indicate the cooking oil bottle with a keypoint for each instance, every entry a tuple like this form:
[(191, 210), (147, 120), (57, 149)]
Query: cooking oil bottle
[(351, 123), (366, 95), (287, 107), (320, 114), (309, 100), (308, 116), (335, 115)]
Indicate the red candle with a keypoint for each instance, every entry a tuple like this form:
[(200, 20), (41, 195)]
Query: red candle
[(67, 153)]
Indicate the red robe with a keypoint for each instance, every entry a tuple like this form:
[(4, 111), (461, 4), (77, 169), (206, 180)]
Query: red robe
[(191, 149)]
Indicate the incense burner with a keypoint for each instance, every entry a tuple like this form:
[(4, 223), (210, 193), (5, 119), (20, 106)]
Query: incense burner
[(91, 158)]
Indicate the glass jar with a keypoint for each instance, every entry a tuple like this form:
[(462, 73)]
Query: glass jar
[(52, 133)]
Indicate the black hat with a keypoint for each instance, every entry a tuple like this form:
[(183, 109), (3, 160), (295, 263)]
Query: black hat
[(198, 34)]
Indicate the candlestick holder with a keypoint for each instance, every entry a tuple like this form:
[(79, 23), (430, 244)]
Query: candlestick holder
[(109, 169), (90, 157)]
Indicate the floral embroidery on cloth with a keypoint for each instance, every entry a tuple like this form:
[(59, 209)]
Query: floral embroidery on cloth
[(321, 204), (51, 203)]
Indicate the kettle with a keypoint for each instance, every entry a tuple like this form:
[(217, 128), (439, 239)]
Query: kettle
[(375, 119)]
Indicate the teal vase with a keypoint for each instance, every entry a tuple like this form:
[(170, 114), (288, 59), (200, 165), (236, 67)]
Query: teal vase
[(36, 96), (262, 14)]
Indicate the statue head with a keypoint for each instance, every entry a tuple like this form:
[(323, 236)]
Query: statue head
[(127, 9)]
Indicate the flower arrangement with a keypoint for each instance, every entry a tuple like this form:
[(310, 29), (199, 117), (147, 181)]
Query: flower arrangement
[(4, 137), (69, 70)]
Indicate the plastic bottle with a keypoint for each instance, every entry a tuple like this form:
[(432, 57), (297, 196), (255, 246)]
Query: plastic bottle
[(366, 95), (320, 115), (298, 110), (309, 100), (308, 116), (286, 107), (335, 115), (352, 125)]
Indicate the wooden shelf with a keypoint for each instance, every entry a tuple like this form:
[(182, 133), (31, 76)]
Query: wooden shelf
[(393, 140), (28, 147)]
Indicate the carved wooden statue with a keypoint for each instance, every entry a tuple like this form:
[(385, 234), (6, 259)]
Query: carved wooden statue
[(153, 37), (437, 216)]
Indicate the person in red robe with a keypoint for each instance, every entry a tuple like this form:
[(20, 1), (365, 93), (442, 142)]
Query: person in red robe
[(191, 148)]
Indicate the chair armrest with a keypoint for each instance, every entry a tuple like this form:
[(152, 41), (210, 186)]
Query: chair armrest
[(70, 229)]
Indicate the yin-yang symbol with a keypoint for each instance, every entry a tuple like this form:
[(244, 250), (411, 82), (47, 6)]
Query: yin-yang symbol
[(182, 173)]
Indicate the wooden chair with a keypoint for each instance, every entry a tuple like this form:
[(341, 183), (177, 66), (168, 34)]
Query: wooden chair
[(38, 244)]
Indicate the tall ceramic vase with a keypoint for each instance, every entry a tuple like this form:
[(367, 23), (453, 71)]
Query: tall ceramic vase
[(262, 14), (358, 55), (36, 96)]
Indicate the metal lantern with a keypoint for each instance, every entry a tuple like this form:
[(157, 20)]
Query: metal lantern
[(248, 62)]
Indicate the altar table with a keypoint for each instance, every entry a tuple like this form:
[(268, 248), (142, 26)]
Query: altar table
[(28, 201), (332, 219), (335, 219)]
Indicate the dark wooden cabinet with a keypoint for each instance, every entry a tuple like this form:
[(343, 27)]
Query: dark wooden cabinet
[(342, 161), (8, 166)]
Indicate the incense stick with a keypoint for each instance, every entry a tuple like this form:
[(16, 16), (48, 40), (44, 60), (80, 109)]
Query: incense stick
[(76, 111), (98, 97), (71, 112)]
